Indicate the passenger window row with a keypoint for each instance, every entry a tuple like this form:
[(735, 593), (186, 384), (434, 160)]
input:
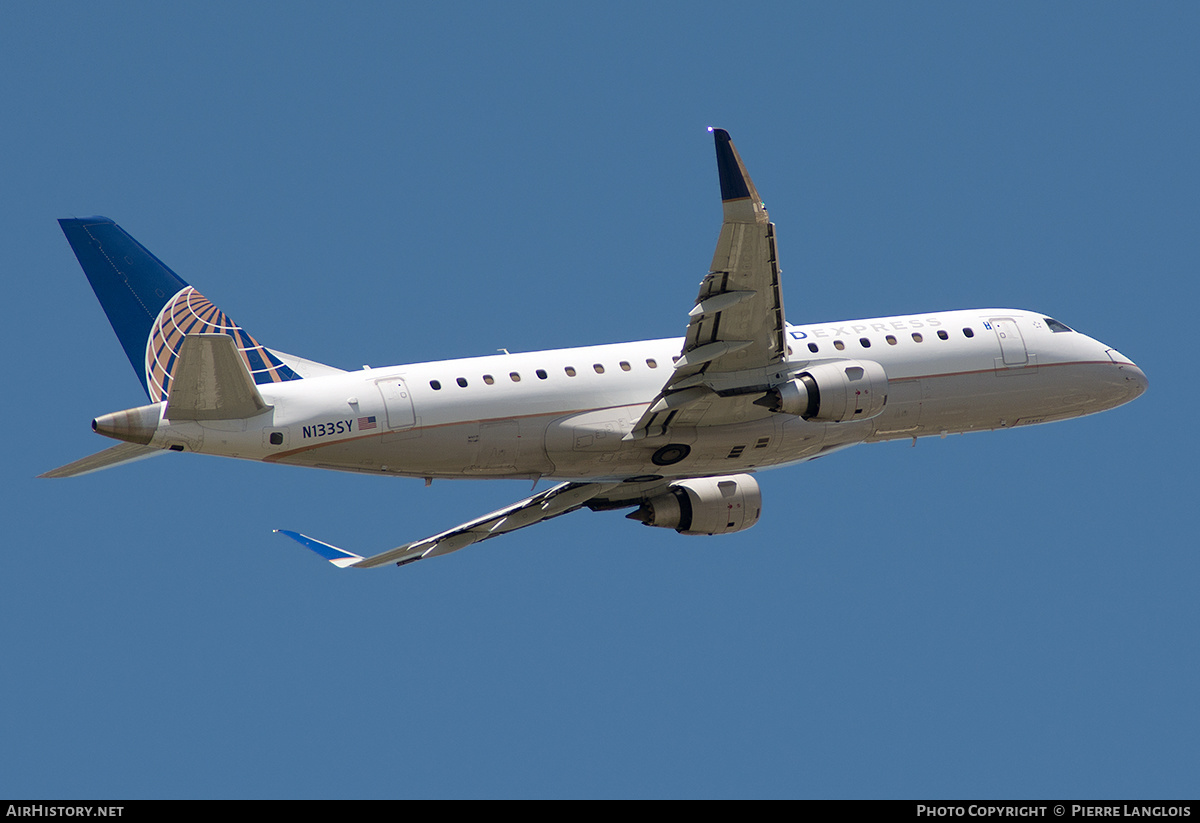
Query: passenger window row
[(598, 368), (891, 340), (542, 374)]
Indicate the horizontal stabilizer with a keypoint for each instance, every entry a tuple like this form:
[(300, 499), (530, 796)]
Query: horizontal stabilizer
[(212, 382), (116, 456)]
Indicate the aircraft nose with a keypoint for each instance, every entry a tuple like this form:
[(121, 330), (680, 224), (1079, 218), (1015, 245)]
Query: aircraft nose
[(1136, 381)]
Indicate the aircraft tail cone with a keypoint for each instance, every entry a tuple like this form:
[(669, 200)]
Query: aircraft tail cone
[(131, 425)]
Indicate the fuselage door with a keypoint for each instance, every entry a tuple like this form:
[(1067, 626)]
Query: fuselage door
[(1012, 345), (398, 401)]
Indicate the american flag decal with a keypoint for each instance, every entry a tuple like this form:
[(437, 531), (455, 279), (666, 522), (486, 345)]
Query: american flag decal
[(365, 423)]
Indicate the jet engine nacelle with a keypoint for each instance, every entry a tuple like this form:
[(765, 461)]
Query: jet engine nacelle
[(704, 505), (833, 392)]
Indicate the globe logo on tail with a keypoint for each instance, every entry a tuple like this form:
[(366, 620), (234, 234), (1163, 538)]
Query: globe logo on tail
[(190, 312)]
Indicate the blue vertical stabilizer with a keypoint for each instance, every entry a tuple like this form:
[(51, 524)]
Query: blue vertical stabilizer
[(131, 283), (152, 309)]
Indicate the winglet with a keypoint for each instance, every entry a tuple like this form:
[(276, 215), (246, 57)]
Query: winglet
[(736, 184), (338, 557), (729, 168)]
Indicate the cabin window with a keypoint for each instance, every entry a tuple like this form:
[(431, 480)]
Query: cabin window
[(891, 341), (570, 370), (839, 345), (943, 335), (514, 376), (462, 381), (968, 332), (813, 347), (599, 369), (917, 338), (487, 378), (625, 366), (652, 363), (541, 373), (866, 344), (436, 385)]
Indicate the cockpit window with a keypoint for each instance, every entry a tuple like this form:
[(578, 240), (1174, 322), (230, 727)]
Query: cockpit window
[(1055, 325)]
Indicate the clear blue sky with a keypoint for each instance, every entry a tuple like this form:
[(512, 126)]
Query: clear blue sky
[(997, 615)]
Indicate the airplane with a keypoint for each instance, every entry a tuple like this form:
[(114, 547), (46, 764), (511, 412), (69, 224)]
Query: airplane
[(673, 429)]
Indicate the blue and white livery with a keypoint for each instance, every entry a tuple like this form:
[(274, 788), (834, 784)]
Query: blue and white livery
[(672, 429)]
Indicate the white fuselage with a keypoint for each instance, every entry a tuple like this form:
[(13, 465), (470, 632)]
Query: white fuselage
[(565, 413)]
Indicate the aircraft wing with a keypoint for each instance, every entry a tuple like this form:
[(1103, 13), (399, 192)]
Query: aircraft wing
[(736, 340), (559, 500)]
